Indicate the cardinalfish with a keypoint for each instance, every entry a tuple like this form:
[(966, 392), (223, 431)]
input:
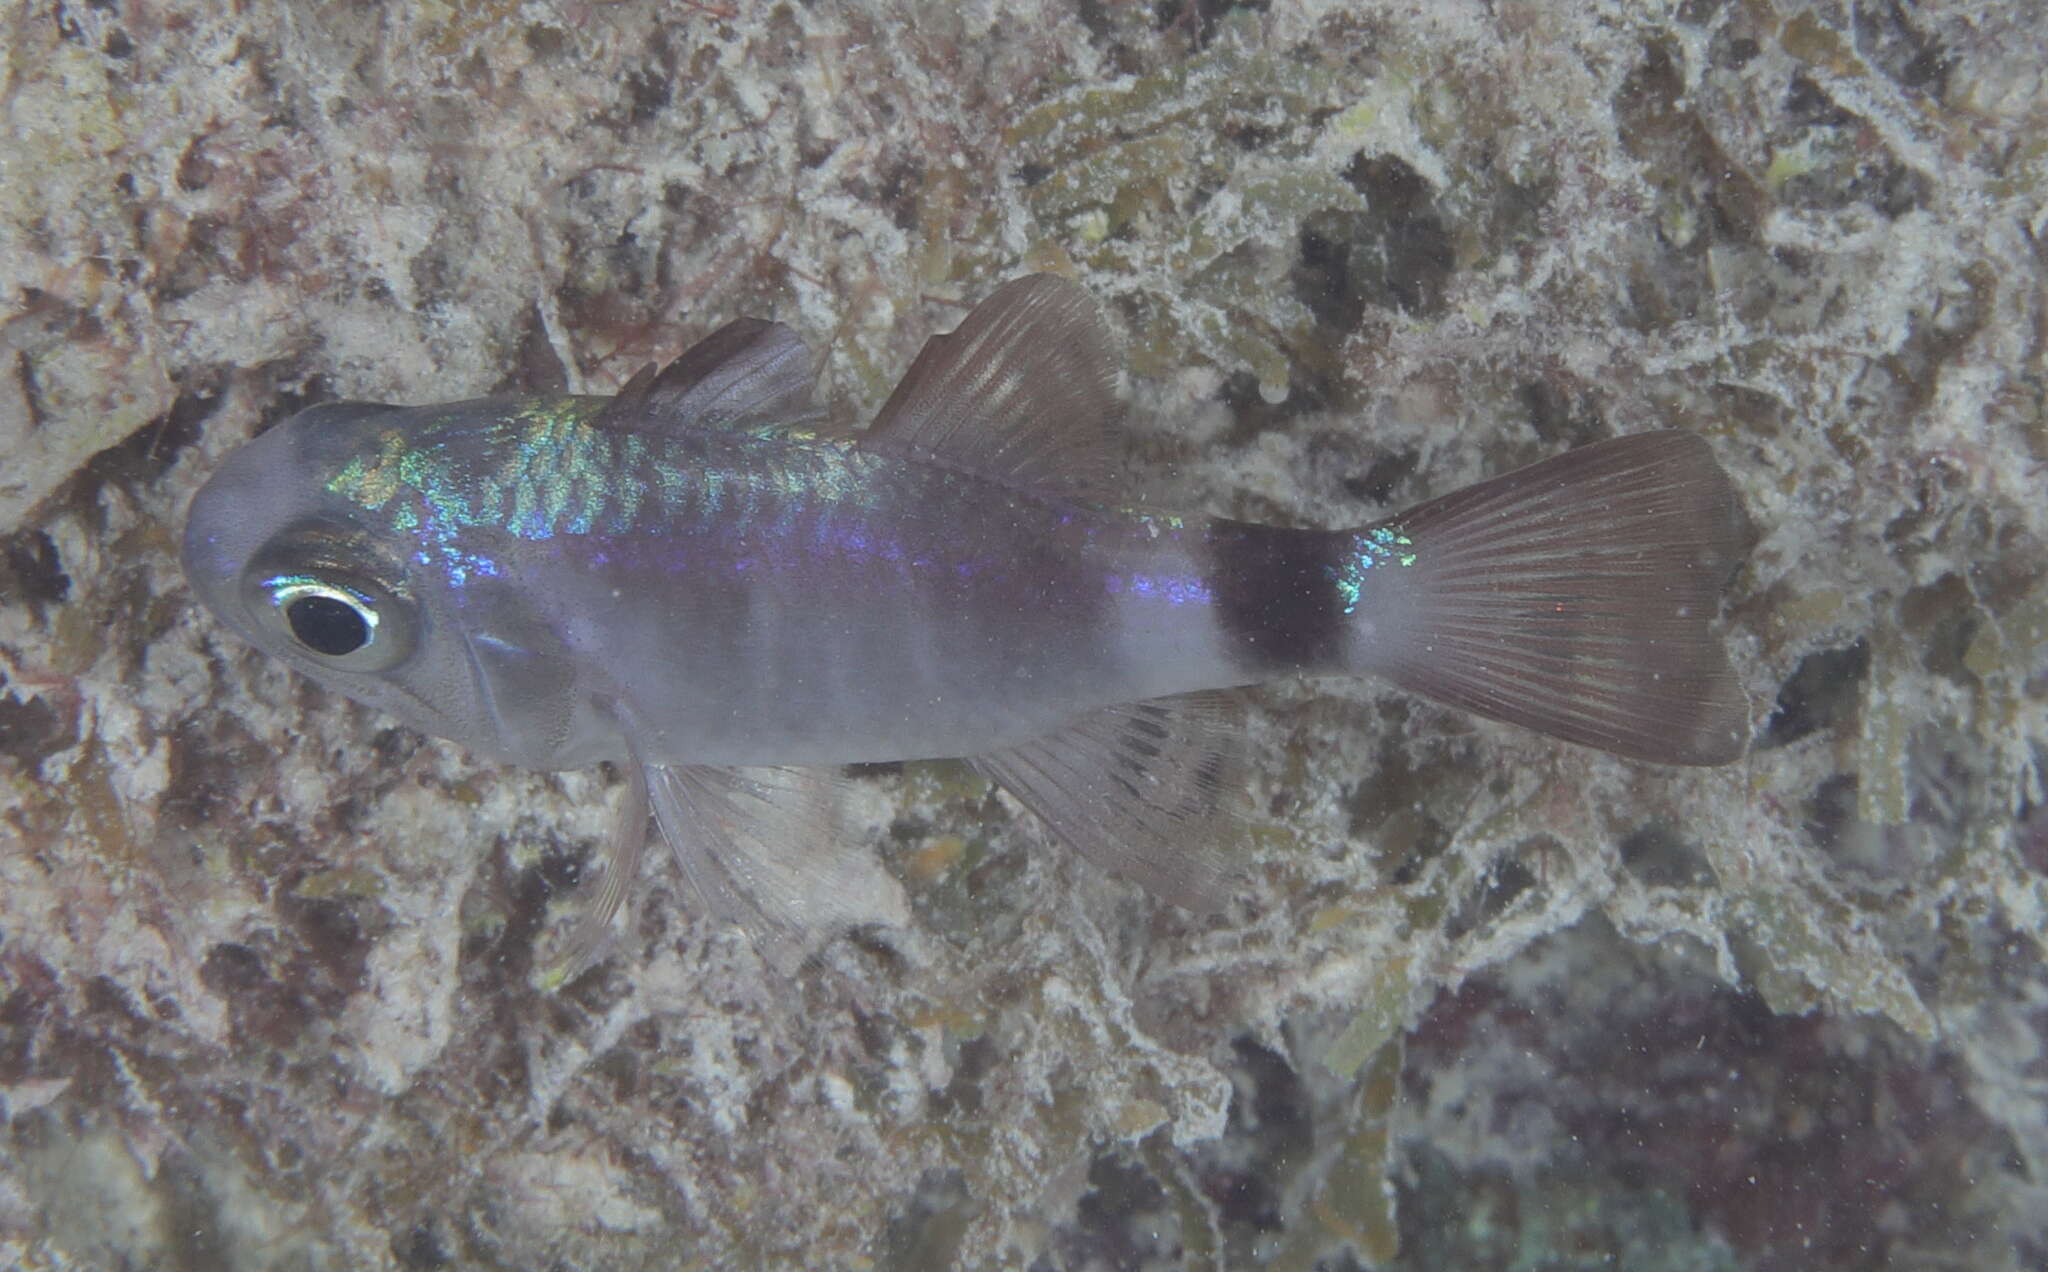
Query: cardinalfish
[(697, 581)]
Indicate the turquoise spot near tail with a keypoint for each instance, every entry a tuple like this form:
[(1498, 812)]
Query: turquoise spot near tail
[(1377, 548)]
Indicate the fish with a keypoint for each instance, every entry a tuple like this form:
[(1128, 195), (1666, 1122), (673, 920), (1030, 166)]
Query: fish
[(698, 581)]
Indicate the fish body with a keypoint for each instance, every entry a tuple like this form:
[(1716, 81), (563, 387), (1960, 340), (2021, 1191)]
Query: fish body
[(693, 577)]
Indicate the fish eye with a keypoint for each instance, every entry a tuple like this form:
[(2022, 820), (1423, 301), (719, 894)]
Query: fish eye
[(329, 621), (323, 596), (348, 623)]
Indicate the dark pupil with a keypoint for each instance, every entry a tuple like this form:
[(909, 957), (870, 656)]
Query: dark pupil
[(327, 626)]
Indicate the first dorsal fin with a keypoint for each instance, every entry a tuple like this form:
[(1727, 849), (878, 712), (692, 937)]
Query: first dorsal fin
[(1024, 392), (747, 376)]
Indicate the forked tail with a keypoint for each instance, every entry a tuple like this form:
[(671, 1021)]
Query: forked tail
[(1577, 597)]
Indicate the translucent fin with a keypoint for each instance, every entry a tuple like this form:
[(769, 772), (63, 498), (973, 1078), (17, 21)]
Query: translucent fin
[(1024, 392), (617, 866), (765, 850), (1576, 597), (1147, 790), (747, 376)]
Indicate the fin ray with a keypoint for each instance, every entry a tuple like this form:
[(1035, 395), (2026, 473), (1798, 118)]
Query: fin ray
[(1024, 391), (1147, 790), (1576, 597), (749, 375), (617, 866), (764, 849)]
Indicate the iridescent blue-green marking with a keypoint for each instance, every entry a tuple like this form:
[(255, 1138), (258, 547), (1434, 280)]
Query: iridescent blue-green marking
[(1179, 588), (1376, 547), (545, 472), (1174, 589), (557, 476), (567, 477)]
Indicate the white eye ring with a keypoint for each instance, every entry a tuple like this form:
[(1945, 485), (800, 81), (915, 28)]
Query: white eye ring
[(341, 623), (331, 621)]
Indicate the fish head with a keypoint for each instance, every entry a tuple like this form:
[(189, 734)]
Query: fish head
[(282, 546)]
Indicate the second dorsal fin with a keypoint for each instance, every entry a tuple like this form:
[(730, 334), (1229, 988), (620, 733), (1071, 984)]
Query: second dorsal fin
[(747, 376), (1024, 391)]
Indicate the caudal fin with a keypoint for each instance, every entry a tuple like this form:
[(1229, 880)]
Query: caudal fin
[(1576, 597)]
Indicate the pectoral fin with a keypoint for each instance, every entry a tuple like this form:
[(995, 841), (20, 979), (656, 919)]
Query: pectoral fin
[(764, 849), (617, 866)]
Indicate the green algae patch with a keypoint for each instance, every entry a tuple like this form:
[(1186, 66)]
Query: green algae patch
[(1377, 1022), (1812, 41), (1882, 791), (1348, 1198), (342, 884), (1139, 1118), (1807, 951)]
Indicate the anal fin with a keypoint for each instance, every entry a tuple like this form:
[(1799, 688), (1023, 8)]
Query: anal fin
[(1148, 790)]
